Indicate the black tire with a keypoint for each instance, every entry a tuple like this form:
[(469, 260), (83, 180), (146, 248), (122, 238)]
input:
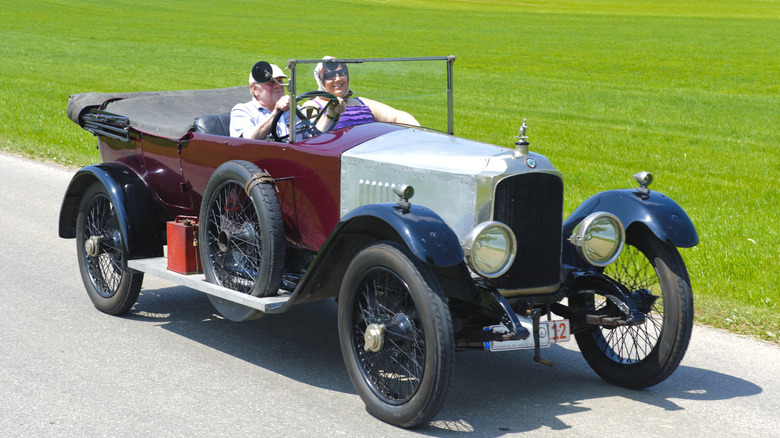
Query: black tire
[(405, 379), (642, 356), (241, 236), (102, 253)]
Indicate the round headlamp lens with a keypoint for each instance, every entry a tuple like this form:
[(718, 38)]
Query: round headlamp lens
[(490, 249), (599, 238)]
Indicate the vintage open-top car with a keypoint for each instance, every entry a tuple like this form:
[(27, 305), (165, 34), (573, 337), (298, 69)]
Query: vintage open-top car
[(430, 243)]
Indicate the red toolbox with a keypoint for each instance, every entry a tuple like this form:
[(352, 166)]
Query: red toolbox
[(183, 255)]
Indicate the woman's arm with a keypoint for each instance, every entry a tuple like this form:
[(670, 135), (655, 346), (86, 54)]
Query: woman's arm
[(386, 113), (329, 119)]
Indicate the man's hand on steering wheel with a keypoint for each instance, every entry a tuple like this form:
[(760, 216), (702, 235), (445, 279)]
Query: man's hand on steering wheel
[(332, 110)]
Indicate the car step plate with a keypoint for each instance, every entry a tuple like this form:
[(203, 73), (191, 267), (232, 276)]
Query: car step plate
[(550, 332), (158, 267)]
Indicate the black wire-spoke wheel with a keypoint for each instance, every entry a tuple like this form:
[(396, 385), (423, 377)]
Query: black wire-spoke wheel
[(396, 335), (385, 309), (643, 355), (100, 244), (233, 238), (241, 235)]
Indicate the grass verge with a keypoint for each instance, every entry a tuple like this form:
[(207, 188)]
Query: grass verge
[(686, 90)]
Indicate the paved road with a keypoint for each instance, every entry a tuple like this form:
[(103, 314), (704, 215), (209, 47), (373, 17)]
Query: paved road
[(174, 368)]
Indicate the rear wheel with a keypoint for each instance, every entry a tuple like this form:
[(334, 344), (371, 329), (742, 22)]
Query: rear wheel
[(396, 335), (100, 244), (643, 355), (241, 235)]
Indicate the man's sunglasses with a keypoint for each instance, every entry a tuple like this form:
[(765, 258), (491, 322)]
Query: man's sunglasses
[(331, 74)]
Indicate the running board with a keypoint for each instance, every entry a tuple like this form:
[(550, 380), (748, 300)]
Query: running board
[(158, 267)]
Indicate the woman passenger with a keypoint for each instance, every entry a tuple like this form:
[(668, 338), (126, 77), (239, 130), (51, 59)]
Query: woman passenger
[(334, 78)]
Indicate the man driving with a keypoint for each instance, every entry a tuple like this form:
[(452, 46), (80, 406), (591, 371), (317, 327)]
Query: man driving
[(253, 119)]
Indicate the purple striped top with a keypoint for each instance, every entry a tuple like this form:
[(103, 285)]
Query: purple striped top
[(354, 115)]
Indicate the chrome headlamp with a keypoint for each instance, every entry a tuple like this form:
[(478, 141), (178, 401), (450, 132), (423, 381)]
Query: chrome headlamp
[(599, 238), (490, 249)]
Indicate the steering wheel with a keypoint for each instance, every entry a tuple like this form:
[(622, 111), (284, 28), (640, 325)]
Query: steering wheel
[(305, 125)]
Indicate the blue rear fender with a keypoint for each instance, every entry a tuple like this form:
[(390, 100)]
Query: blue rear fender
[(656, 211), (136, 212)]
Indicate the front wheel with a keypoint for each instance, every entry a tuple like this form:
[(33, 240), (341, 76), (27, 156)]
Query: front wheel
[(644, 355), (396, 335), (102, 252)]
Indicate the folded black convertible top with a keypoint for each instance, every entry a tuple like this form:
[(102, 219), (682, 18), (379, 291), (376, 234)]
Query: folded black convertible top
[(161, 113)]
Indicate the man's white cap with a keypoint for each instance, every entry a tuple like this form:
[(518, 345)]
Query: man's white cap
[(276, 72)]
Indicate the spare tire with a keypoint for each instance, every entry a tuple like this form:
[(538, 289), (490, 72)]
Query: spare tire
[(241, 235)]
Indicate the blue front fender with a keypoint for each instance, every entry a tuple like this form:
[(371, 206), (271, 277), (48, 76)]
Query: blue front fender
[(422, 230), (659, 213)]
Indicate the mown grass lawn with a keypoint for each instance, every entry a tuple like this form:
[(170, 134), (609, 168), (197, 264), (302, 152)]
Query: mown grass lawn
[(687, 90)]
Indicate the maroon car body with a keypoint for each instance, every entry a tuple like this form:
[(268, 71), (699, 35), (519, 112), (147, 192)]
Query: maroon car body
[(307, 173), (480, 257)]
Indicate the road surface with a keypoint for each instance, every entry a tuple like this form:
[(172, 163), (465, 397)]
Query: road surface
[(173, 368)]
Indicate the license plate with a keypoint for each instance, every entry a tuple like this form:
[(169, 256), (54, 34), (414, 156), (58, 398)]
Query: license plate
[(550, 332)]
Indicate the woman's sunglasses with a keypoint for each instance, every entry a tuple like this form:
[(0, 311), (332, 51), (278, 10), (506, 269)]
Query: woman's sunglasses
[(331, 74)]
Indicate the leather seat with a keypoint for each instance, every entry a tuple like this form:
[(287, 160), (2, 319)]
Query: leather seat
[(214, 124)]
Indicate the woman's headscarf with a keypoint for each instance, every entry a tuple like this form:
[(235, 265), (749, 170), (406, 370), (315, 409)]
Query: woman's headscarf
[(324, 65)]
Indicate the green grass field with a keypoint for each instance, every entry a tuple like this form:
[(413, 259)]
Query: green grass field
[(687, 90)]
